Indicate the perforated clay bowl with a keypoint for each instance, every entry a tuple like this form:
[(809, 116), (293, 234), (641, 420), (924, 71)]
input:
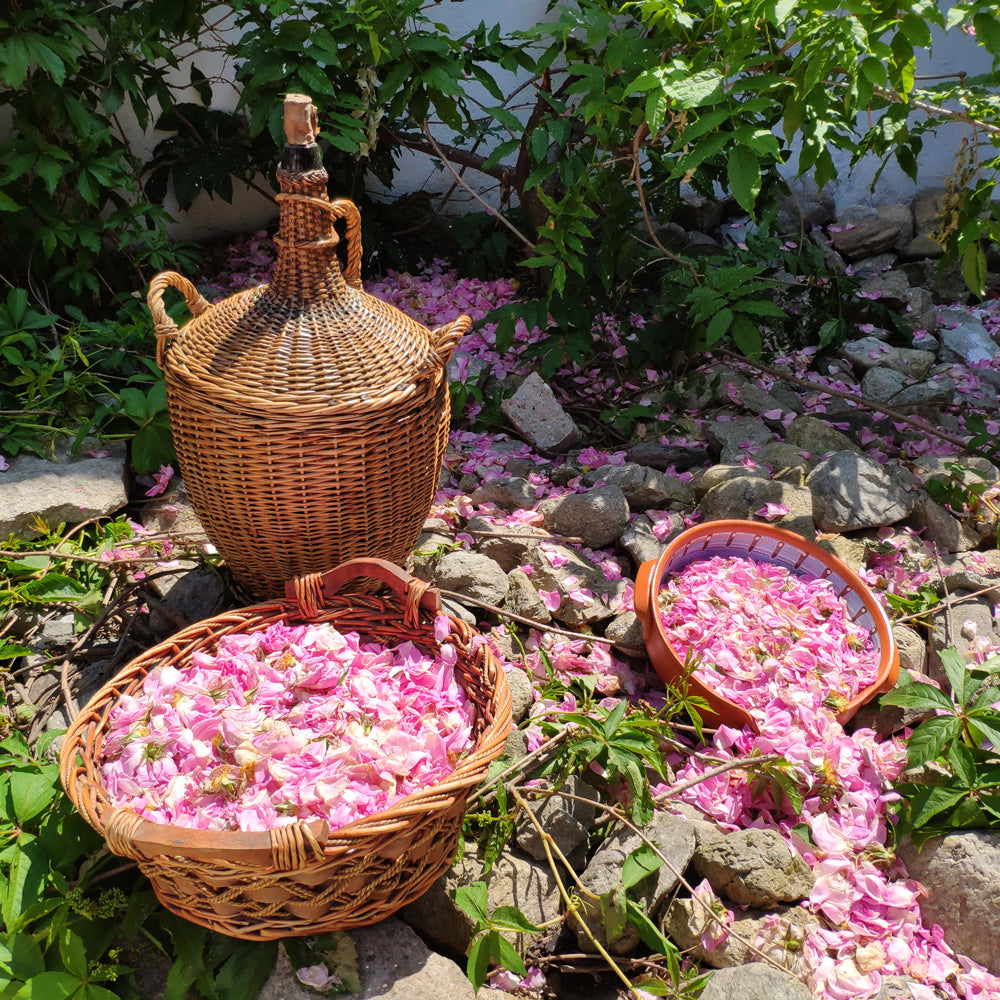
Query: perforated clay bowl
[(762, 543)]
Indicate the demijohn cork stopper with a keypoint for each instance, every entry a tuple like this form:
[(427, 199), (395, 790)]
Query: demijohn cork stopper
[(301, 120)]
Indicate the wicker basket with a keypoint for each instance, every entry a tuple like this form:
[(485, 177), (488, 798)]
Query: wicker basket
[(310, 418), (301, 879), (764, 543)]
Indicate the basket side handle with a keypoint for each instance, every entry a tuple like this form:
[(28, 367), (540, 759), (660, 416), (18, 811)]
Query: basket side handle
[(444, 338), (163, 326), (311, 592), (295, 845), (344, 208)]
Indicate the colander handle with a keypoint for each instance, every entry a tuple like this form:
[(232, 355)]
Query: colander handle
[(163, 326), (311, 592)]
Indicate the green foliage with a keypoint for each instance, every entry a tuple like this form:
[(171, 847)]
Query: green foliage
[(958, 742), (488, 945), (967, 492)]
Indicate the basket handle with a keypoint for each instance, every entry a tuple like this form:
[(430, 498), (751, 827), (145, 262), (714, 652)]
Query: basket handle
[(344, 208), (163, 326), (311, 592), (296, 845), (446, 337)]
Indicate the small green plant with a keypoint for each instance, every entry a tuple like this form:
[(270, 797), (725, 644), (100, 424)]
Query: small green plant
[(956, 747), (967, 492), (488, 945)]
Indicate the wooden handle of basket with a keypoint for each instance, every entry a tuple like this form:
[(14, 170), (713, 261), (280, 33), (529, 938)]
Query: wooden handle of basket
[(309, 592), (343, 208), (289, 847), (446, 337), (163, 326)]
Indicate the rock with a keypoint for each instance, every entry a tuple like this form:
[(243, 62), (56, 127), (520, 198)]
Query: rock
[(816, 437), (927, 206), (974, 469), (521, 693), (472, 574), (896, 215), (889, 289), (537, 416), (393, 963), (941, 528), (522, 598), (674, 837), (509, 493), (785, 926), (970, 343), (640, 542), (65, 491), (696, 212), (716, 475), (967, 571), (512, 881), (754, 867), (868, 352), (781, 456), (922, 248), (575, 572), (899, 988), (506, 544), (882, 385), (625, 632), (865, 239), (741, 498), (172, 514), (756, 981), (851, 491), (735, 438), (185, 598), (959, 625), (666, 456), (739, 389), (803, 207), (912, 649), (961, 873), (645, 488), (920, 312), (599, 516), (567, 821), (852, 552)]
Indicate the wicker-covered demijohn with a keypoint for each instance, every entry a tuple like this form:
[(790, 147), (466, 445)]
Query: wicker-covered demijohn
[(302, 878), (310, 418)]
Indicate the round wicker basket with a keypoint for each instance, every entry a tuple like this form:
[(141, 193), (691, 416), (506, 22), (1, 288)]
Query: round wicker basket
[(303, 878), (768, 544), (310, 418)]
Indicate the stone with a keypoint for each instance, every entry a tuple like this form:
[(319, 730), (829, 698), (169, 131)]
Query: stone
[(696, 212), (959, 624), (912, 649), (576, 572), (522, 598), (512, 881), (927, 206), (756, 981), (970, 343), (536, 415), (393, 964), (741, 390), (735, 438), (899, 988), (640, 542), (521, 693), (784, 928), (852, 552), (598, 517), (506, 544), (673, 836), (186, 597), (781, 456), (645, 488), (509, 493), (716, 475), (667, 456), (625, 632), (816, 437), (882, 385), (922, 247), (920, 313), (172, 514), (966, 571), (888, 214), (754, 867), (567, 821), (64, 491), (802, 207), (741, 498), (868, 352), (941, 528), (851, 491), (865, 239), (889, 289), (472, 574), (961, 873)]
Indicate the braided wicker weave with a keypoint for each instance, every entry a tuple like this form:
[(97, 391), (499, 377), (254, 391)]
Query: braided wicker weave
[(310, 418), (303, 878)]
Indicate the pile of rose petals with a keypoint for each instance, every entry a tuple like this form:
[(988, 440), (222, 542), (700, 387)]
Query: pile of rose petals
[(287, 724), (754, 629)]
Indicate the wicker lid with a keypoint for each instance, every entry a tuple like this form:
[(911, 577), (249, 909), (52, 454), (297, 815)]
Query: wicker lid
[(312, 336)]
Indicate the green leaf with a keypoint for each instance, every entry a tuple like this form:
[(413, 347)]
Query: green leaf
[(929, 738), (21, 957), (25, 878), (957, 672), (49, 986), (984, 725), (743, 170), (478, 966), (473, 900), (508, 957), (643, 861), (696, 90), (961, 760), (31, 790), (7, 204), (246, 970), (648, 931), (746, 337), (928, 801), (315, 80), (987, 31), (510, 918), (918, 695), (73, 953), (974, 269)]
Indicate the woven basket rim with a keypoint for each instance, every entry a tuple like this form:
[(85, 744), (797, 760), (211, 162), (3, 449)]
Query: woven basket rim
[(468, 772)]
